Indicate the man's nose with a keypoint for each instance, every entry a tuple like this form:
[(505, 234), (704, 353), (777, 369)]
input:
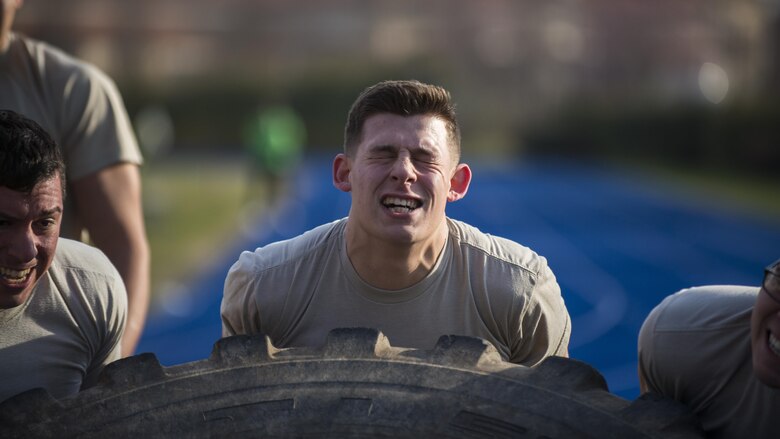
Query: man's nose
[(22, 246), (403, 169)]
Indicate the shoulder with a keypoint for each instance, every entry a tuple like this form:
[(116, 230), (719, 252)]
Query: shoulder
[(42, 50), (267, 272), (75, 255), (495, 248), (701, 308), (48, 56), (63, 69), (694, 340), (511, 273), (78, 267), (279, 253)]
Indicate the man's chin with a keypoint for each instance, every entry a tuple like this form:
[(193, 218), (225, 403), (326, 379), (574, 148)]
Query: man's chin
[(766, 367), (400, 237), (10, 300)]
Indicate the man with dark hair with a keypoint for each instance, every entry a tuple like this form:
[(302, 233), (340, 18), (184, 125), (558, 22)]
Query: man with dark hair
[(82, 109), (62, 304), (397, 262), (716, 349)]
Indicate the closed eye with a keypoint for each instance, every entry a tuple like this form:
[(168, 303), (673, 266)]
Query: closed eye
[(5, 221), (425, 157), (383, 152)]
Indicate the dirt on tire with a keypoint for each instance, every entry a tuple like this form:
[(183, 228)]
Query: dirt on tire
[(358, 385)]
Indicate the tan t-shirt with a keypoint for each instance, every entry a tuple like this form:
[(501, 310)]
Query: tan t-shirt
[(69, 327), (77, 104), (295, 291), (694, 347)]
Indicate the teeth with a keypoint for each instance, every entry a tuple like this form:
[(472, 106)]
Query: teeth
[(774, 344), (405, 204), (14, 275)]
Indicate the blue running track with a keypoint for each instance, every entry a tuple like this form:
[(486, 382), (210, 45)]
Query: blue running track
[(618, 243)]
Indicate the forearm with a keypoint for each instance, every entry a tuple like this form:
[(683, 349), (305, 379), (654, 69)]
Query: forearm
[(132, 261)]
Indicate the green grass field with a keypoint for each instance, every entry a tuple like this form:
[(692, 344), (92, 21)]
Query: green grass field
[(192, 208)]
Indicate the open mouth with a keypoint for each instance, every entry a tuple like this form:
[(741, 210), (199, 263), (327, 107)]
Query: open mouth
[(774, 344), (401, 205), (14, 277)]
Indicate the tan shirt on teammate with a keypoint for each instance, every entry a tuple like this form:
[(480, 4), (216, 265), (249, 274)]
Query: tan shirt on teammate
[(68, 329), (77, 104), (694, 347)]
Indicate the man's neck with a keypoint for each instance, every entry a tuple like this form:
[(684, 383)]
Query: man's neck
[(5, 41), (391, 266)]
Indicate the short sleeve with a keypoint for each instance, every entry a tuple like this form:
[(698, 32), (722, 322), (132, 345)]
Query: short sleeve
[(238, 310), (545, 322), (110, 315)]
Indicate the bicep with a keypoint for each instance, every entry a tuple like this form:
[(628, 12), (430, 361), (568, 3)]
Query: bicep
[(108, 202), (545, 325)]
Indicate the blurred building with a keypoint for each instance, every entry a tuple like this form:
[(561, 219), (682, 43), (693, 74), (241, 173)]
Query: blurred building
[(509, 62)]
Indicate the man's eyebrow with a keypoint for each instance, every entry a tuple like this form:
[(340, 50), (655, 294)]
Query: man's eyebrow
[(426, 150), (423, 149), (383, 148), (52, 211)]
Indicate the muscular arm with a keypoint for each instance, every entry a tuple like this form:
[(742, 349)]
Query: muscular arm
[(109, 205)]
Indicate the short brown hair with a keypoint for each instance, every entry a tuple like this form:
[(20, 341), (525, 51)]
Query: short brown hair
[(28, 155), (404, 98)]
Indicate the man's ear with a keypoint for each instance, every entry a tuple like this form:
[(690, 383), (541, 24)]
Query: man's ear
[(341, 170), (459, 183)]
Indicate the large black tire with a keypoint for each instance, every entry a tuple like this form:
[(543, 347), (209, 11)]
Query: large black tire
[(358, 385)]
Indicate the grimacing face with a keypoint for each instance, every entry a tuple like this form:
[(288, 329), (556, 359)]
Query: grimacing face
[(401, 178), (29, 230), (765, 330)]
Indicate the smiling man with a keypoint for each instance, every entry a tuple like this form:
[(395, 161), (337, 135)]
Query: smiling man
[(717, 349), (62, 304), (397, 262)]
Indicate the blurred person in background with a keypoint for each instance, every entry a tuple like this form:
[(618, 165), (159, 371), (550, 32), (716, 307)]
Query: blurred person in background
[(81, 108), (717, 349), (397, 262), (63, 305), (275, 137)]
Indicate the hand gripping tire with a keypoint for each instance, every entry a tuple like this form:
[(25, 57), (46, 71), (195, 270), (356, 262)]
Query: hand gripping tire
[(357, 385)]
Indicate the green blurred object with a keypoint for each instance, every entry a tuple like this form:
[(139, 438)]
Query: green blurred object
[(275, 138)]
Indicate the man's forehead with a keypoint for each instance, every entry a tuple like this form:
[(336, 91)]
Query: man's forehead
[(46, 195), (49, 187), (390, 130), (413, 120)]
